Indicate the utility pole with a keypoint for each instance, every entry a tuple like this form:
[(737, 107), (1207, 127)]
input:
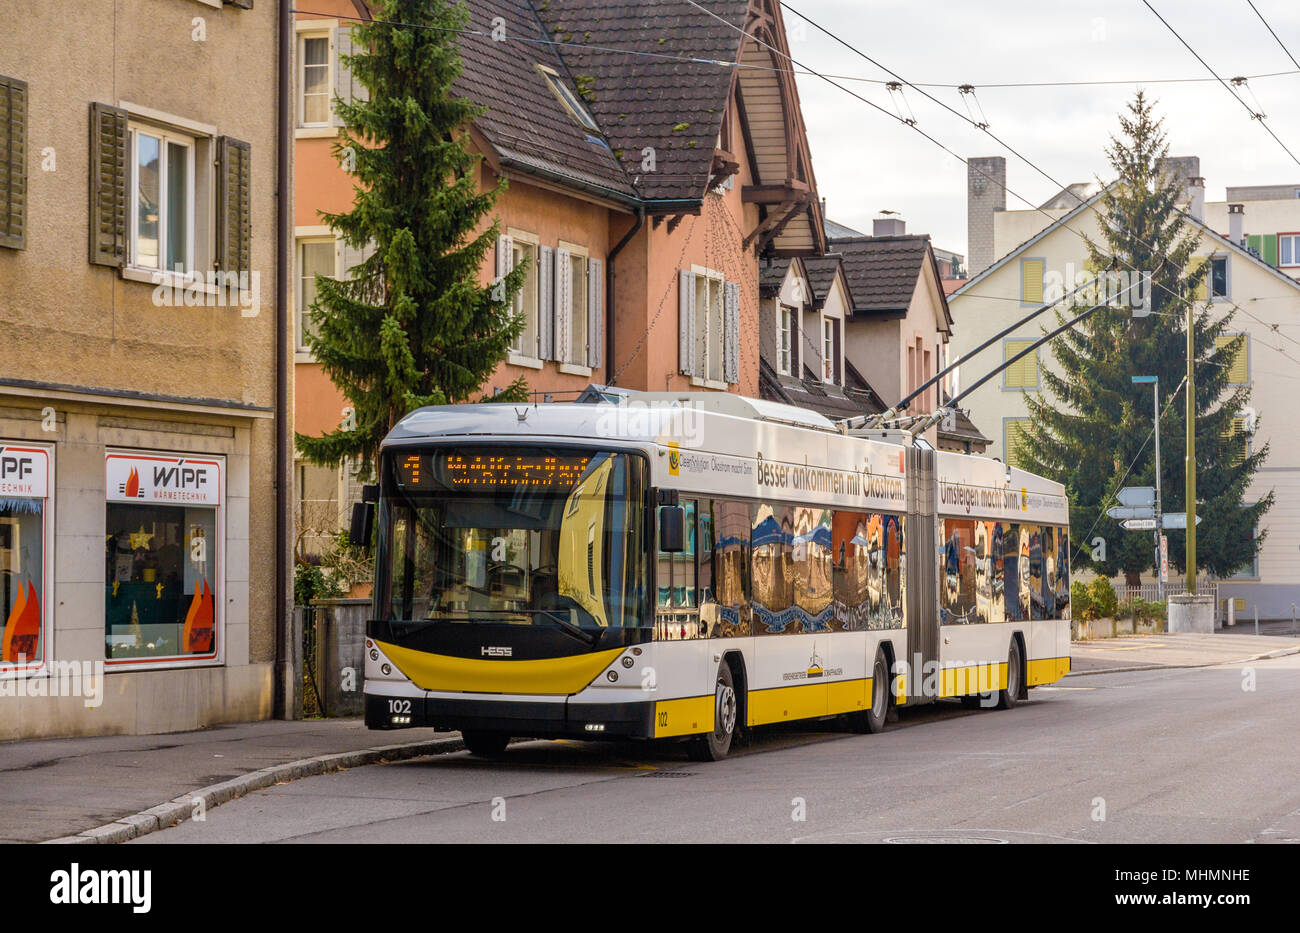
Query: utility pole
[(1191, 449), (1160, 582)]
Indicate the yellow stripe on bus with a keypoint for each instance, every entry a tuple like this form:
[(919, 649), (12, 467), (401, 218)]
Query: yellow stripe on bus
[(977, 678), (551, 676), (807, 701), (1046, 671), (687, 716)]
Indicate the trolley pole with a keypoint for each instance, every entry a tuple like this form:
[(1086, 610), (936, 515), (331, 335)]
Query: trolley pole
[(1190, 466)]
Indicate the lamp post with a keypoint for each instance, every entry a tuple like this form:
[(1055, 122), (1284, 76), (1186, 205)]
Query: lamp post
[(1154, 381)]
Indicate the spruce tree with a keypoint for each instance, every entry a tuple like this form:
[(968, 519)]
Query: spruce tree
[(412, 325), (1092, 422)]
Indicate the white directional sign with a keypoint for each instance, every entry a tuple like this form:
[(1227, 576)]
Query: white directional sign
[(1177, 520), (1140, 524), (1137, 496), (1121, 512)]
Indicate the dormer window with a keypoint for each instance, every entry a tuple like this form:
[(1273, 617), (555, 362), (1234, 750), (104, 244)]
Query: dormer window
[(571, 103)]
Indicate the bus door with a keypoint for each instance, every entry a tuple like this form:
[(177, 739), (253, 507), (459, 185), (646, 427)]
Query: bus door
[(921, 612)]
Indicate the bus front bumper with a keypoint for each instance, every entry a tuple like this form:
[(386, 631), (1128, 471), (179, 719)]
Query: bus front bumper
[(522, 717)]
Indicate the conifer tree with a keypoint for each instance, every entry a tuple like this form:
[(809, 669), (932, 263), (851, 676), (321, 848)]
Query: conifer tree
[(1092, 422), (411, 325)]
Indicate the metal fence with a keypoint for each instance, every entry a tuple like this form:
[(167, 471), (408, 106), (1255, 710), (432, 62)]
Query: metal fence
[(1148, 591)]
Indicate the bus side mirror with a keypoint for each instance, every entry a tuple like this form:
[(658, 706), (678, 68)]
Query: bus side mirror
[(672, 529), (363, 524)]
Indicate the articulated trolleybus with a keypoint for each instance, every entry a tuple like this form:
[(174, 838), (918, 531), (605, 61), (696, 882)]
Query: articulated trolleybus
[(684, 566)]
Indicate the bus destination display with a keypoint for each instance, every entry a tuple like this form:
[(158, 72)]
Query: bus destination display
[(491, 471)]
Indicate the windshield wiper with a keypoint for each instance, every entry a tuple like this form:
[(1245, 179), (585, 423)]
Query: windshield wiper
[(577, 631)]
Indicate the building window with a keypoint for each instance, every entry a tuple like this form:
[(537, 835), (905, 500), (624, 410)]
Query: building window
[(568, 99), (1031, 281), (315, 100), (161, 200), (315, 257), (25, 475), (1218, 277), (578, 349), (1014, 433), (708, 325), (1237, 436), (163, 532), (1288, 249), (1237, 359), (828, 349), (784, 337), (522, 251), (1022, 374)]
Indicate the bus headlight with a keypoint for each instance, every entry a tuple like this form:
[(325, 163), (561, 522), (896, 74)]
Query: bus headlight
[(628, 662)]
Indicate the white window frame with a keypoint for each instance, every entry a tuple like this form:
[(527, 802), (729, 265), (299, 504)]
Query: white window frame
[(519, 354), (166, 136), (706, 346), (302, 237), (313, 30), (46, 595), (577, 364), (568, 100), (785, 331), (1294, 240), (828, 349), (1227, 276)]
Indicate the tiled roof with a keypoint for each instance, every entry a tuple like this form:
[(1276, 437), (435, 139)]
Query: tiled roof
[(832, 401), (660, 101), (525, 122), (821, 273), (882, 271), (771, 275)]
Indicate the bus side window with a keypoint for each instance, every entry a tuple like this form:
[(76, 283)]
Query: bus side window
[(675, 571), (729, 569)]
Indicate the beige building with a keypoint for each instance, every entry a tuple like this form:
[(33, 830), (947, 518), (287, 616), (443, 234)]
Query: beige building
[(1034, 256), (138, 383)]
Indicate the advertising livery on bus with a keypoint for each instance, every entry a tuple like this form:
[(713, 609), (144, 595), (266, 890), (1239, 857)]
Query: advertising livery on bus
[(680, 567)]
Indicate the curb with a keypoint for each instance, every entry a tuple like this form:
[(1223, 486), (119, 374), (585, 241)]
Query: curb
[(1280, 653), (179, 809)]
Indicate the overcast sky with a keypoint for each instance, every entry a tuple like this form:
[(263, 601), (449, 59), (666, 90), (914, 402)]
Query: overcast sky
[(866, 162)]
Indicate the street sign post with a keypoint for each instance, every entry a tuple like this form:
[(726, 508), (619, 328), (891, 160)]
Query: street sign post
[(1121, 512), (1139, 524), (1137, 496), (1176, 521)]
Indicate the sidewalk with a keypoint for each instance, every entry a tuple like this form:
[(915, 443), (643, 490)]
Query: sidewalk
[(59, 787), (1173, 650)]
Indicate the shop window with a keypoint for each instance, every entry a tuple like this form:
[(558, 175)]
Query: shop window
[(162, 587), (24, 555)]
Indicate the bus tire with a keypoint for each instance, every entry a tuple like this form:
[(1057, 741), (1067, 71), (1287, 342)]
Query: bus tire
[(485, 744), (713, 746), (873, 720), (1009, 697)]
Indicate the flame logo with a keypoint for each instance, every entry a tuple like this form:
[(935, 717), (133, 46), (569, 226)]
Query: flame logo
[(23, 629), (197, 634), (133, 484)]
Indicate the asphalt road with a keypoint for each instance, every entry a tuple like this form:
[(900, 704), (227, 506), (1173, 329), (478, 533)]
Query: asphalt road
[(1163, 756)]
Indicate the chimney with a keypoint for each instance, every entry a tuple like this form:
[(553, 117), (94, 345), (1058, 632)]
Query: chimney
[(986, 194), (888, 226), (1237, 223), (1196, 197)]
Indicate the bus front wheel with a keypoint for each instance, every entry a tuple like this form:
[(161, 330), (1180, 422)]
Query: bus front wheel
[(714, 745), (485, 744)]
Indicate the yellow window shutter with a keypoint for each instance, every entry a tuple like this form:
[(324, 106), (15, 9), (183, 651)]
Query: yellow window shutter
[(1236, 434), (1239, 364), (1017, 430), (1023, 374), (1194, 267), (1031, 281)]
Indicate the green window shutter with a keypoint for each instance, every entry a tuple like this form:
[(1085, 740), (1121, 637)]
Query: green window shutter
[(1254, 241), (1023, 374), (1269, 252), (13, 163), (1031, 281), (109, 171), (1239, 365), (233, 202), (1017, 430)]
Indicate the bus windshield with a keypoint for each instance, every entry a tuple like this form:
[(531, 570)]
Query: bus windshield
[(524, 535)]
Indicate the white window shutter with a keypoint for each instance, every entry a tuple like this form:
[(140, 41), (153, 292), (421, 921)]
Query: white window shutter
[(686, 323), (353, 257), (563, 305), (546, 302), (595, 311), (505, 256), (342, 77), (731, 333)]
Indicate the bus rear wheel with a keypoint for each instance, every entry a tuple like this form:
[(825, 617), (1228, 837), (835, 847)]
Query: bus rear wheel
[(714, 745), (485, 744), (1009, 697), (873, 720)]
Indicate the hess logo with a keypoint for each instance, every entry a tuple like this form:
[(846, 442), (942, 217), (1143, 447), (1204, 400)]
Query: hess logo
[(495, 651), (13, 468)]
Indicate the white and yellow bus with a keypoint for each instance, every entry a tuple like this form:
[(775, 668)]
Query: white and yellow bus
[(685, 566)]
